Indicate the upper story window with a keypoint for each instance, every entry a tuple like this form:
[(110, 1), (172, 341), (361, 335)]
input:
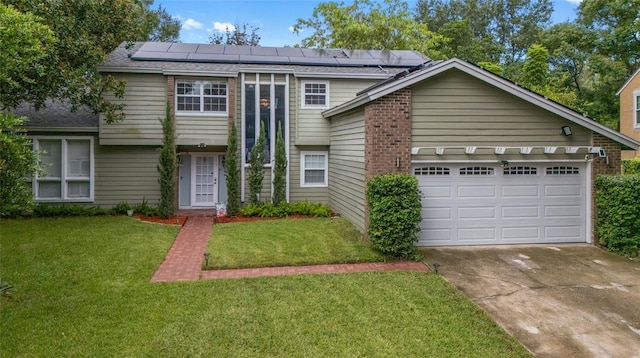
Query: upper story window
[(315, 94), (636, 113), (68, 169), (201, 96)]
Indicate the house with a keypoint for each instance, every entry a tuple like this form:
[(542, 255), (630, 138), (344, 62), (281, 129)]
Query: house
[(630, 111), (497, 164)]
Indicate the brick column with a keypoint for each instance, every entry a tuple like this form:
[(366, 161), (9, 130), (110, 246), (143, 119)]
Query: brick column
[(387, 138), (231, 94), (599, 166), (171, 93)]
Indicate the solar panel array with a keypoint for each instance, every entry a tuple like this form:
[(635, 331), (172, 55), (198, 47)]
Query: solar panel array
[(166, 51)]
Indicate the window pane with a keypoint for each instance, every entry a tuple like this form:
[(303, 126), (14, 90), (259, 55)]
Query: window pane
[(78, 189), (215, 89), (250, 118), (315, 94), (49, 190), (280, 109), (637, 103), (78, 158), (265, 118), (189, 104), (314, 161), (314, 176), (188, 88), (51, 157), (215, 104)]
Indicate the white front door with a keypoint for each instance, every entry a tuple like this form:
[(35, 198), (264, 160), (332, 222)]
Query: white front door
[(204, 180)]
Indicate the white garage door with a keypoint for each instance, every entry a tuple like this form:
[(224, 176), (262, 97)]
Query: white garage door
[(485, 204)]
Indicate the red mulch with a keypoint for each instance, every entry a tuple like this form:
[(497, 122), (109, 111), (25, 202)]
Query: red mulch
[(171, 220)]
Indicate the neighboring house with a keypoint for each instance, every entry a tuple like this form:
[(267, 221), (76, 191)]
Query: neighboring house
[(630, 112), (497, 163)]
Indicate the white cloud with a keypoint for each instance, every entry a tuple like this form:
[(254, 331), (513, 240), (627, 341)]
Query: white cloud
[(190, 24), (223, 26), (575, 2)]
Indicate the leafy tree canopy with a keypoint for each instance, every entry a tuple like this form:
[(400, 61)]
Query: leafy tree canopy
[(366, 24), (81, 34), (237, 35)]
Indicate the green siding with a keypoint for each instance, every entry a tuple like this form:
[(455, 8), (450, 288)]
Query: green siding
[(145, 99), (195, 129), (455, 109), (126, 173), (296, 192), (346, 168), (313, 128)]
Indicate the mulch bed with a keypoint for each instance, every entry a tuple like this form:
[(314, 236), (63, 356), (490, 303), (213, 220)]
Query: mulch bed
[(171, 220)]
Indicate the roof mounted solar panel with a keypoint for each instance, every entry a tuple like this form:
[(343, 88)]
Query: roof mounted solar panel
[(180, 47), (237, 50), (213, 57), (289, 51), (263, 51), (210, 48), (155, 46), (160, 56)]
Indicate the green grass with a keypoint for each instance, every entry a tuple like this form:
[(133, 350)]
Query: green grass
[(288, 242), (83, 289)]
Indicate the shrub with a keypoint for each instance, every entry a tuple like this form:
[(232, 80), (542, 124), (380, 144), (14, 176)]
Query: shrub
[(394, 214), (618, 213), (65, 209), (255, 173), (145, 209), (631, 166), (232, 173), (167, 167), (286, 209), (280, 170)]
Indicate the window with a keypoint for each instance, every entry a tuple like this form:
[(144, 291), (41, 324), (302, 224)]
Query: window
[(314, 169), (201, 96), (520, 171), (68, 169), (476, 171), (264, 104), (636, 113), (562, 170), (315, 94), (432, 171)]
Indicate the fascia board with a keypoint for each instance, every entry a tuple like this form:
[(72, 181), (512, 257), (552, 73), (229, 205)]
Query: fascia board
[(628, 81)]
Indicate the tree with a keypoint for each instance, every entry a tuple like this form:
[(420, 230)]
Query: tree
[(158, 24), (17, 164), (256, 167), (487, 30), (536, 76), (232, 173), (280, 170), (167, 167), (87, 31), (238, 35), (366, 24)]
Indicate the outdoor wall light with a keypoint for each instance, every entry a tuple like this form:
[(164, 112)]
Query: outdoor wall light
[(206, 259), (504, 163), (566, 131), (202, 145)]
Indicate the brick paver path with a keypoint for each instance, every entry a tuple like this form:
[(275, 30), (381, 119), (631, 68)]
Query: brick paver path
[(184, 260)]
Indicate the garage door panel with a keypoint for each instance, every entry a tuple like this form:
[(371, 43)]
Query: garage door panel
[(477, 233), (520, 212), (562, 190), (487, 212), (476, 191), (520, 233), (520, 191), (476, 205)]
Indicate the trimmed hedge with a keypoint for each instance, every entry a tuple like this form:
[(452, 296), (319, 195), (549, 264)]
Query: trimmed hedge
[(631, 166), (394, 214), (618, 208)]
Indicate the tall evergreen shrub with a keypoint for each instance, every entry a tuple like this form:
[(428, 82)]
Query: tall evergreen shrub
[(618, 218), (256, 168), (631, 166), (232, 173), (280, 170), (167, 167), (394, 214)]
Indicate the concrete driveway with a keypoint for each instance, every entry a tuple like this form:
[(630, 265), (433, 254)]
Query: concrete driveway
[(559, 301)]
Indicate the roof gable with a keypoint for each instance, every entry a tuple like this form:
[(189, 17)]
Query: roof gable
[(628, 81), (430, 70)]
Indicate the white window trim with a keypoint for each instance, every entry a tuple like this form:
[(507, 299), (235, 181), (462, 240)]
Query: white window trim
[(314, 106), (201, 112), (636, 119), (303, 169), (63, 168)]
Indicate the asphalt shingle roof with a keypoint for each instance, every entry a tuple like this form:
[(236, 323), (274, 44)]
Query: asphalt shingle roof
[(56, 114)]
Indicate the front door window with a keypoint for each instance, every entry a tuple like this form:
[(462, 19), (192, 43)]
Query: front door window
[(204, 181)]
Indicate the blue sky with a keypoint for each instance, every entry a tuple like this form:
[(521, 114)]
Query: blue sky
[(274, 18)]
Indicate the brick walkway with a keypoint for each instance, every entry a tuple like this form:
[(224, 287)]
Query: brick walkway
[(184, 260)]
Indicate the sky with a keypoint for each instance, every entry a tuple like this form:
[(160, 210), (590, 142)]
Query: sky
[(273, 18)]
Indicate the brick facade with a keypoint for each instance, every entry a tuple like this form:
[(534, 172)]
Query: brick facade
[(387, 133), (599, 166)]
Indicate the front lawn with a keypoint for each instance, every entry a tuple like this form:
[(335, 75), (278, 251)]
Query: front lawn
[(287, 242), (83, 289)]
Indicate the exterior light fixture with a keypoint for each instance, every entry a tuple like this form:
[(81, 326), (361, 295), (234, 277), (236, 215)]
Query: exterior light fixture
[(202, 145), (504, 163), (206, 259), (566, 131)]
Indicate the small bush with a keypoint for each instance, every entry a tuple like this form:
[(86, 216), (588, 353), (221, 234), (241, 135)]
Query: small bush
[(121, 208), (631, 166), (394, 214), (145, 209), (64, 209), (618, 218), (286, 209)]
